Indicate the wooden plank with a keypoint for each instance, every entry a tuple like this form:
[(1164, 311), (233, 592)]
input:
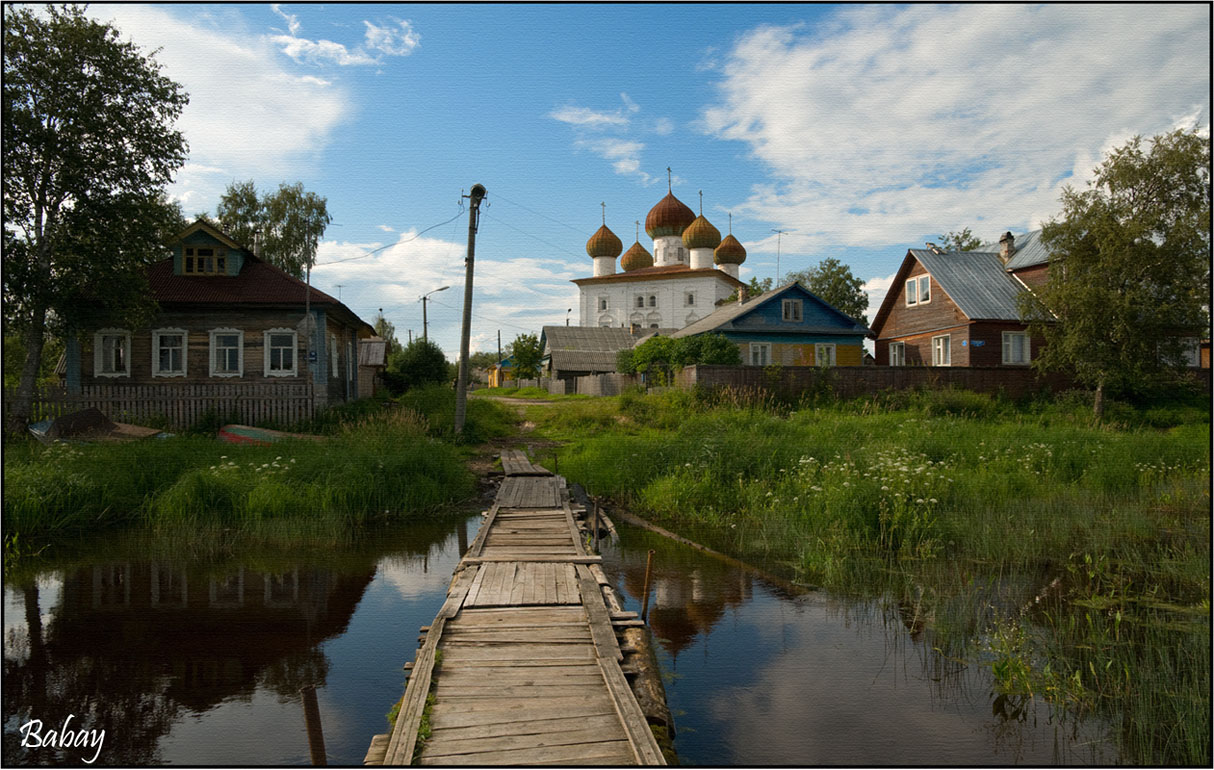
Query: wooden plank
[(559, 754), (516, 652), (577, 539), (596, 613), (640, 736), (487, 716), (449, 693), (475, 548), (601, 722), (443, 745)]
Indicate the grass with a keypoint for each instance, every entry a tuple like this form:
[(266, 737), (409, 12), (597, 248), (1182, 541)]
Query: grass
[(377, 462), (1071, 558)]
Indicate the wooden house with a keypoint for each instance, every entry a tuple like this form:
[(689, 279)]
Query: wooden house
[(226, 318), (960, 308), (788, 326), (580, 351)]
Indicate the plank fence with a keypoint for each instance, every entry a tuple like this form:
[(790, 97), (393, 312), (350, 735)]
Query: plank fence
[(179, 406)]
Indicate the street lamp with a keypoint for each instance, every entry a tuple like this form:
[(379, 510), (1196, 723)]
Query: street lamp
[(424, 296), (567, 312)]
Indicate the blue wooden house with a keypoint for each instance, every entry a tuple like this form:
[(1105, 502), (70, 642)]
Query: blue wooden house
[(789, 326)]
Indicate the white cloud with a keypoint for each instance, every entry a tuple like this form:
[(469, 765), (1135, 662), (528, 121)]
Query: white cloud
[(398, 41), (515, 295), (291, 19), (247, 116), (387, 229), (663, 126), (890, 122), (584, 116), (321, 51)]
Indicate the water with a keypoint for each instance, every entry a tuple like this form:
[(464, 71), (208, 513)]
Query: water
[(184, 661)]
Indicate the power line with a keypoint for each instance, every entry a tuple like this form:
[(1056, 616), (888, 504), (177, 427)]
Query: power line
[(529, 235), (397, 243), (538, 214)]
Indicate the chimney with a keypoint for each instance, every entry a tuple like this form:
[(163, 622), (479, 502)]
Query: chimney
[(741, 295), (934, 248), (1007, 247)]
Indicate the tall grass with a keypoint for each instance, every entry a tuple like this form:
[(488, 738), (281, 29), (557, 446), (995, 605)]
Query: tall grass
[(1070, 557), (377, 461)]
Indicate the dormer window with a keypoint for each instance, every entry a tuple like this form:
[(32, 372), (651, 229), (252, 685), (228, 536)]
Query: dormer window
[(204, 260), (918, 290), (790, 310)]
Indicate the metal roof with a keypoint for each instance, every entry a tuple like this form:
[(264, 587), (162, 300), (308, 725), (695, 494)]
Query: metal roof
[(372, 351), (726, 314), (976, 281), (1030, 251)]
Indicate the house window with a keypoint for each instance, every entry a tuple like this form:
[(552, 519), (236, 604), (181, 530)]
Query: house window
[(760, 353), (653, 300), (640, 302), (791, 310), (1016, 348), (824, 353), (280, 346), (204, 260), (941, 355), (111, 353), (333, 355), (919, 290), (691, 298), (602, 304), (897, 354), (227, 353), (168, 352)]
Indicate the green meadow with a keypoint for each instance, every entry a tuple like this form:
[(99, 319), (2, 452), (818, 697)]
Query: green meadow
[(1072, 558)]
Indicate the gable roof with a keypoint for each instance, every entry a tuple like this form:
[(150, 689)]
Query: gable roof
[(724, 317), (211, 230), (976, 281), (1030, 251), (587, 348)]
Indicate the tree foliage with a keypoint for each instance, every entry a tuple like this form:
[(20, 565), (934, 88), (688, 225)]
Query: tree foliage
[(421, 362), (835, 283), (386, 329), (526, 352), (963, 240), (89, 148), (659, 356), (1131, 272), (284, 226)]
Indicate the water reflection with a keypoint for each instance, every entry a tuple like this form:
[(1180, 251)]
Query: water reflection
[(138, 648), (760, 674)]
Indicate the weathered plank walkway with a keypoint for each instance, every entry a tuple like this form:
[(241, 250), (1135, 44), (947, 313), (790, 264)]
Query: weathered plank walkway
[(522, 659)]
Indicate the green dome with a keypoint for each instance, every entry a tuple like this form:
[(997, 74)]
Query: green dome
[(669, 217), (604, 244), (636, 258), (700, 234), (730, 252)]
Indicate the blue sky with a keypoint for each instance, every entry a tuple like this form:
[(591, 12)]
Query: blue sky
[(859, 130)]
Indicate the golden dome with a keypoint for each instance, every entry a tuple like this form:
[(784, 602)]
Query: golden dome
[(700, 234), (604, 244), (636, 258), (669, 217), (730, 252)]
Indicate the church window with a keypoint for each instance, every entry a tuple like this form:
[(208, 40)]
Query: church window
[(602, 303), (653, 300), (691, 298), (640, 301)]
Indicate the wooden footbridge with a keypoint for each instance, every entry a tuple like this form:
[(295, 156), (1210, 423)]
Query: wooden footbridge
[(521, 666)]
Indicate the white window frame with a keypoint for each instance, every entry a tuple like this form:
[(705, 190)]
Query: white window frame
[(942, 344), (157, 334), (99, 357), (925, 289), (1008, 359), (824, 347), (333, 356), (214, 347), (897, 354), (267, 353), (790, 310), (912, 292), (917, 288), (761, 350)]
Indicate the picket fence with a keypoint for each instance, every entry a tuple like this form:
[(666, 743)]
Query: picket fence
[(179, 405)]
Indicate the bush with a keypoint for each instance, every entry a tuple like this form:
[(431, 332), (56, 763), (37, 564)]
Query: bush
[(421, 362)]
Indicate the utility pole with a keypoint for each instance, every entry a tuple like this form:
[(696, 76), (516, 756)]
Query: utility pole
[(499, 358), (778, 234), (461, 383), (425, 327)]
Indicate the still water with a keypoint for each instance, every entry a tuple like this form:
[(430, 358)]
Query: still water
[(186, 661)]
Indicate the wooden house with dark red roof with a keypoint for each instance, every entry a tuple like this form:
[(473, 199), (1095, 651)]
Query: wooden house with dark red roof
[(227, 317)]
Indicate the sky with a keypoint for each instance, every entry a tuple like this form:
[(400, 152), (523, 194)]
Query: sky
[(859, 131)]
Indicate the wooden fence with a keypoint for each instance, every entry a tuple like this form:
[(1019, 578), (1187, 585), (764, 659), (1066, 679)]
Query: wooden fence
[(179, 405)]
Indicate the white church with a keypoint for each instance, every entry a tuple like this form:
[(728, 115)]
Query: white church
[(691, 269)]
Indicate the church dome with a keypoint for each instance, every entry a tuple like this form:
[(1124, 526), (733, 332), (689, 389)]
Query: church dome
[(604, 244), (669, 217), (636, 258), (700, 234), (730, 252)]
